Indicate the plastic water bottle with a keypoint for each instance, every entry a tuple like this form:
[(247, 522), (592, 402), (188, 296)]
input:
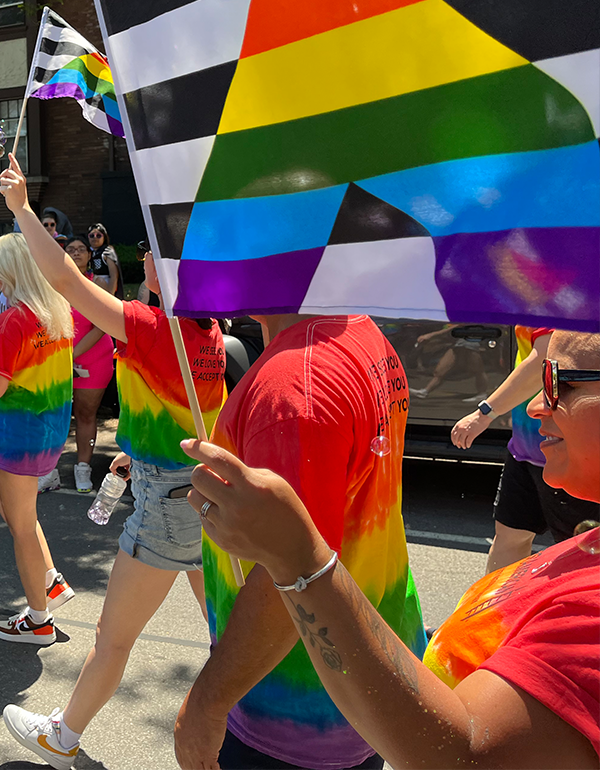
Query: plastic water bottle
[(107, 498)]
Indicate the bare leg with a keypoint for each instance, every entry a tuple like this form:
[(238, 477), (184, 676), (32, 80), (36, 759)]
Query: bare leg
[(196, 579), (444, 367), (135, 591), (85, 408), (476, 366), (18, 495), (44, 546), (510, 545)]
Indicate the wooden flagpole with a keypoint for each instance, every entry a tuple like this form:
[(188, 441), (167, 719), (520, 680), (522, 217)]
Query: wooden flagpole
[(188, 382)]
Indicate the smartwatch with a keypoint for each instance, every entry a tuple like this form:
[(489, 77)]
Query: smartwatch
[(485, 408)]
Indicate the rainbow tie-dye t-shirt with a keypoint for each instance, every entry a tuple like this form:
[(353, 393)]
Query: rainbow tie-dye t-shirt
[(35, 410), (309, 409), (535, 623), (526, 439), (155, 413)]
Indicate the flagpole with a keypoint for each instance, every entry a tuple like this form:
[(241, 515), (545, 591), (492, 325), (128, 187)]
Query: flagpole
[(188, 382), (36, 50), (182, 358), (19, 126)]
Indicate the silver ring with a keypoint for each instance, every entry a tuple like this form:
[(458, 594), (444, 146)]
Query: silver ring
[(204, 509)]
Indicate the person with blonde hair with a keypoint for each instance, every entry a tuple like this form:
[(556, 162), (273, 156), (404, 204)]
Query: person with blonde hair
[(36, 365)]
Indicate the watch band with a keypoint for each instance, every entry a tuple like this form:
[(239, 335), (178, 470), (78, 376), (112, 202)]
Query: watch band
[(485, 409)]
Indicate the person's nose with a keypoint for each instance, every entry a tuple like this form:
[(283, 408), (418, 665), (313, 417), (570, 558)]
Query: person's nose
[(538, 407)]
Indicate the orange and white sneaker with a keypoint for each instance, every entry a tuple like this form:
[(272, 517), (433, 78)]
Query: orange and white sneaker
[(21, 628), (59, 593), (40, 734)]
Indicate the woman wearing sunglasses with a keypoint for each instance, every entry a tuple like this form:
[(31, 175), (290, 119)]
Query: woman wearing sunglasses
[(104, 261), (511, 679), (93, 367), (525, 506)]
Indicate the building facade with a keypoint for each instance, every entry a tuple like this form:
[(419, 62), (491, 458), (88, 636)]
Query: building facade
[(70, 164)]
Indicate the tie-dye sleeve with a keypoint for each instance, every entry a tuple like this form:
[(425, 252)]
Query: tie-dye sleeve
[(10, 345)]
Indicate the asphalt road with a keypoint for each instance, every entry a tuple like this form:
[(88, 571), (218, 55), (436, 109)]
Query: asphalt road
[(447, 509)]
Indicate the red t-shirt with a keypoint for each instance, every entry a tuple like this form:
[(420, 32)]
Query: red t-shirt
[(155, 412), (536, 624), (309, 409)]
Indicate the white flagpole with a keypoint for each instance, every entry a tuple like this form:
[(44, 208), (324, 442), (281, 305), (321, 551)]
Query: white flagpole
[(34, 58)]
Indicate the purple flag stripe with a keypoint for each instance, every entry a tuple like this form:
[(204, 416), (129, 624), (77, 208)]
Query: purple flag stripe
[(116, 127), (536, 276), (253, 285), (56, 90)]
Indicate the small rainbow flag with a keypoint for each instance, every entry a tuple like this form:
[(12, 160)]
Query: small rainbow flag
[(66, 64)]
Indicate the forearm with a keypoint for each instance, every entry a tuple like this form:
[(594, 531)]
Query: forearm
[(398, 706), (258, 635), (87, 343), (54, 263), (522, 384)]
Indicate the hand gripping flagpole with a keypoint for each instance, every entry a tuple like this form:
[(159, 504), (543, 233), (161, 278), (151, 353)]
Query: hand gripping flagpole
[(36, 51), (188, 382)]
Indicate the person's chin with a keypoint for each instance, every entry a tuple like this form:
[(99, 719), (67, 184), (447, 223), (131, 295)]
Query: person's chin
[(555, 462)]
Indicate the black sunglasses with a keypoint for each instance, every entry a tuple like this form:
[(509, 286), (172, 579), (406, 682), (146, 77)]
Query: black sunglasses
[(552, 375)]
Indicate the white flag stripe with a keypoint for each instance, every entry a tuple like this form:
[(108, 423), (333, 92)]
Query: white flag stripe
[(167, 278), (196, 36), (580, 74), (386, 278), (171, 173), (49, 62), (66, 34)]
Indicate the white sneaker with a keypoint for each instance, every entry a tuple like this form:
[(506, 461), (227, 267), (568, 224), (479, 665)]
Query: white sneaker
[(49, 482), (40, 734), (21, 628), (83, 477), (418, 392)]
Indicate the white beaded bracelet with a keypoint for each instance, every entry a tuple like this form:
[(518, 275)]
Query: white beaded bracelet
[(302, 582)]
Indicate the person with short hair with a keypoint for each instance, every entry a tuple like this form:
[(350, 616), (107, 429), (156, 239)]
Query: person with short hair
[(36, 368), (511, 679), (325, 405), (525, 506)]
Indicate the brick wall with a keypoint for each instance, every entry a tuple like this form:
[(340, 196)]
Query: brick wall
[(75, 153)]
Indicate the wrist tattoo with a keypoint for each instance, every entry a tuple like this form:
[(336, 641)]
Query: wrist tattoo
[(391, 646), (319, 638)]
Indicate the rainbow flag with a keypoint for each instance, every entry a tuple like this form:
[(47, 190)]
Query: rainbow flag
[(404, 158), (66, 64)]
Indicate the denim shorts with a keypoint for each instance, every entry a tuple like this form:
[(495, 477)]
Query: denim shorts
[(162, 532)]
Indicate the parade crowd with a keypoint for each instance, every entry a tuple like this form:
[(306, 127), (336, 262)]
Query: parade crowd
[(321, 660)]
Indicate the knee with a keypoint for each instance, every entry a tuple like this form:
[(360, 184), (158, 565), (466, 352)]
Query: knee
[(513, 537), (21, 528), (111, 645), (84, 414)]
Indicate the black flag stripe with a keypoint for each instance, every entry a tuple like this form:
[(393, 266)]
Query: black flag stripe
[(197, 99), (120, 15)]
